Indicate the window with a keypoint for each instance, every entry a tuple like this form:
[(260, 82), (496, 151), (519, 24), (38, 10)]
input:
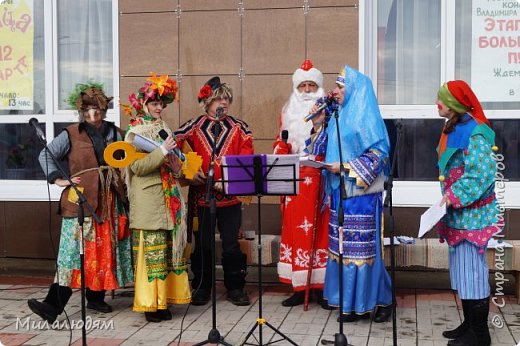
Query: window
[(409, 51), (18, 145), (420, 44), (84, 45), (69, 42)]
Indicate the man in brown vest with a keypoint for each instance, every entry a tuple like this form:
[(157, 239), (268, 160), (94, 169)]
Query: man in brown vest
[(107, 245)]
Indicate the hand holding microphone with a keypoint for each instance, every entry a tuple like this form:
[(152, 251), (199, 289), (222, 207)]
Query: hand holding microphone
[(170, 145), (281, 146), (321, 104)]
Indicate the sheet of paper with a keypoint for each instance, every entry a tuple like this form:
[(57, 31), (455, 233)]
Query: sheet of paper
[(431, 217), (398, 240), (283, 176), (143, 143), (309, 162), (493, 244)]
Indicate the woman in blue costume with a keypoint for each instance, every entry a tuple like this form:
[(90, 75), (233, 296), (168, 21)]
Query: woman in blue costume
[(467, 173), (364, 149)]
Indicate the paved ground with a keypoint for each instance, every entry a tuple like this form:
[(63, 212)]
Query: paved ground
[(422, 315)]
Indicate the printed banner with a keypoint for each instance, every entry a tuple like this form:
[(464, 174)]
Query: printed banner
[(495, 52), (16, 54)]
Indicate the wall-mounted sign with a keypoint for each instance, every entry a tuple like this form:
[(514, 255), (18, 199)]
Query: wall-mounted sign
[(16, 54), (495, 52)]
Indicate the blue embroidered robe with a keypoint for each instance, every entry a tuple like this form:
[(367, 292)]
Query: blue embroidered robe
[(366, 283)]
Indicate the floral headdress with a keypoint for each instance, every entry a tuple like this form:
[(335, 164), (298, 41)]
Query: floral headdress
[(89, 93), (156, 88)]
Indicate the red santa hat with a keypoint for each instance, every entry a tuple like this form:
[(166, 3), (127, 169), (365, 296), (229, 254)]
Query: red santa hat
[(307, 72)]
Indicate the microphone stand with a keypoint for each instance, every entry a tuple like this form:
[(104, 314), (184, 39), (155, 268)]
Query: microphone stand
[(82, 203), (340, 339), (214, 336), (388, 203)]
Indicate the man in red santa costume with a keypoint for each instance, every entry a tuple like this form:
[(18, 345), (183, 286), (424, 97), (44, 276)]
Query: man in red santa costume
[(303, 249)]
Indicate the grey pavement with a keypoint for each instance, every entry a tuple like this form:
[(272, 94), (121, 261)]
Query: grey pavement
[(422, 315)]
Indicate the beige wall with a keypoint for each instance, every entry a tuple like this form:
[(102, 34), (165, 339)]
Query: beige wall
[(267, 42)]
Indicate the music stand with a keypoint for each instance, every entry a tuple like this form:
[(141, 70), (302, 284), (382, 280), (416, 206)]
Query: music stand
[(249, 175)]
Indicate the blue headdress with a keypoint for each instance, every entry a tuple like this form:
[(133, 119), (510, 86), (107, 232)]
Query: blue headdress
[(360, 122)]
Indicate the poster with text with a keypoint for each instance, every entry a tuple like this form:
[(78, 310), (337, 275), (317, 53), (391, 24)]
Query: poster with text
[(495, 53), (16, 54)]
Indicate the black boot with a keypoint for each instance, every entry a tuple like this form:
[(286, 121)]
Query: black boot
[(353, 317), (53, 305), (45, 310), (200, 296), (457, 332), (318, 293), (164, 314), (153, 317), (383, 313), (296, 299), (480, 322), (96, 301), (201, 283), (235, 271), (478, 332)]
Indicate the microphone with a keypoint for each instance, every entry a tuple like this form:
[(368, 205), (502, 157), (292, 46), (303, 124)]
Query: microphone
[(285, 136), (220, 110), (328, 100), (163, 134), (318, 112), (34, 123)]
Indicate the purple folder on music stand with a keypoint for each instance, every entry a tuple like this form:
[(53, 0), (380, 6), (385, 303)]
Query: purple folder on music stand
[(239, 176)]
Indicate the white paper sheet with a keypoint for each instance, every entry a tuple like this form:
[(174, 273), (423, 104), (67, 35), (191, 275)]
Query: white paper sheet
[(309, 162), (143, 143), (493, 244), (398, 240), (431, 217), (283, 179)]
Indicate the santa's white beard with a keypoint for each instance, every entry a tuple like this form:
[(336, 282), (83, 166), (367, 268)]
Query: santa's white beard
[(293, 115)]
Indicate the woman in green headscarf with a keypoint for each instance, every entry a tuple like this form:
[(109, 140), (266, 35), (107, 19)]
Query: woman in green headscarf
[(467, 172)]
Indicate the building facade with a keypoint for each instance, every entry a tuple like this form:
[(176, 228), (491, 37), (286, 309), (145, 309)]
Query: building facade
[(407, 47)]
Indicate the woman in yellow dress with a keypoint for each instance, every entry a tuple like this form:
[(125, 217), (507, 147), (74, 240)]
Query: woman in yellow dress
[(157, 209)]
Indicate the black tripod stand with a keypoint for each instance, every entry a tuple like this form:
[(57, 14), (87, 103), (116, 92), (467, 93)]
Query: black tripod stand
[(261, 188), (214, 336), (388, 204), (82, 203)]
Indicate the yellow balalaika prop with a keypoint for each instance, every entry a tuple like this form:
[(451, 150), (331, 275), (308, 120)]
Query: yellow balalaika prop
[(189, 167)]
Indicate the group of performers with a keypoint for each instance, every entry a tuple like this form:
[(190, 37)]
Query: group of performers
[(144, 213), (144, 235)]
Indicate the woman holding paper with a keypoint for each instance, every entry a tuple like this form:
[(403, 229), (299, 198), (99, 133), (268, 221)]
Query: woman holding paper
[(466, 172), (157, 210)]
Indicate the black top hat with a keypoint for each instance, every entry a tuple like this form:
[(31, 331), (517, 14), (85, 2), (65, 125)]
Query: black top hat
[(214, 83)]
